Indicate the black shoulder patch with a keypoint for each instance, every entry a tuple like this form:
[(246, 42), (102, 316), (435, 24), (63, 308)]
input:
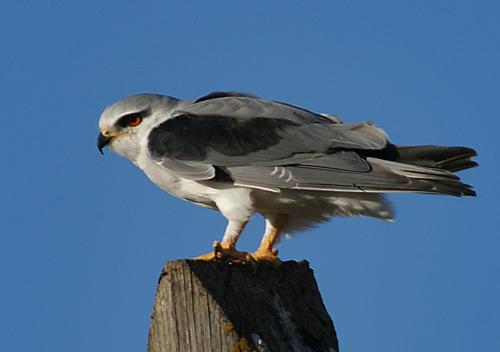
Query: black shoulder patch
[(215, 95), (192, 137)]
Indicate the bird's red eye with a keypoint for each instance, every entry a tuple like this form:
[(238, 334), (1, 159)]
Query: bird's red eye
[(134, 121)]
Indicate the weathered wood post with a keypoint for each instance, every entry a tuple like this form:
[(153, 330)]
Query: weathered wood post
[(235, 307)]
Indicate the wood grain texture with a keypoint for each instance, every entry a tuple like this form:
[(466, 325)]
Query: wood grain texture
[(222, 307)]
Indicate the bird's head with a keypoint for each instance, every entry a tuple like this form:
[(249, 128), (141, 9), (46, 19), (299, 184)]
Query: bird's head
[(125, 125)]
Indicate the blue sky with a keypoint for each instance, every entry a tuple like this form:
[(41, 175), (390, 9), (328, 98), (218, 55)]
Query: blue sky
[(84, 237)]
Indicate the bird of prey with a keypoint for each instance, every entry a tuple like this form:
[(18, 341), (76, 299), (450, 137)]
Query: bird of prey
[(241, 155)]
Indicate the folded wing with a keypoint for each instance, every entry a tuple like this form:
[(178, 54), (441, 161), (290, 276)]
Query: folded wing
[(285, 147)]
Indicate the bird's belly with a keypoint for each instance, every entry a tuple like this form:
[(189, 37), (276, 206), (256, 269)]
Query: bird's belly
[(322, 204), (195, 192)]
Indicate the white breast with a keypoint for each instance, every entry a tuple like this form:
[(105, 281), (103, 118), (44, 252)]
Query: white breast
[(182, 188)]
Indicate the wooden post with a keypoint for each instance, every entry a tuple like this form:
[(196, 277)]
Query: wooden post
[(228, 307)]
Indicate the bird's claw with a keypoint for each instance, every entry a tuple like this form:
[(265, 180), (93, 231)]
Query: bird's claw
[(221, 253), (264, 255)]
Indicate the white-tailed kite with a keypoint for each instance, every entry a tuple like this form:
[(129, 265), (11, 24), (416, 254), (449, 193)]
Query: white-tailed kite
[(242, 155)]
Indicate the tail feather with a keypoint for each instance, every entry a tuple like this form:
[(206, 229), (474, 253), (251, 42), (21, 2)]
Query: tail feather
[(446, 158), (423, 179)]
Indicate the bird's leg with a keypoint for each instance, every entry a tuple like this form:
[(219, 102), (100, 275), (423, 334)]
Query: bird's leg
[(274, 224), (226, 250)]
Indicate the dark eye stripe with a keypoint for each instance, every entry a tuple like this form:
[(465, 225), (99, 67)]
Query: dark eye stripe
[(125, 119)]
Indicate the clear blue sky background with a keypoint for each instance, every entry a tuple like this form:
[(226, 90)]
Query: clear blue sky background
[(84, 237)]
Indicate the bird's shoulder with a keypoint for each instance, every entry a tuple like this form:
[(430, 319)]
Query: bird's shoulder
[(247, 106)]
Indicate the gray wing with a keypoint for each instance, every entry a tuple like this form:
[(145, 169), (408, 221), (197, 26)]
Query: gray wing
[(193, 145), (272, 146), (348, 172), (245, 106)]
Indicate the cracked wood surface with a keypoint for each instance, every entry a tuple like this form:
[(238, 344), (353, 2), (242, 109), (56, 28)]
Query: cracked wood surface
[(228, 307)]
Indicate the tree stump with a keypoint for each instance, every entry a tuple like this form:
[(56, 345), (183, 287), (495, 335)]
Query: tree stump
[(236, 307)]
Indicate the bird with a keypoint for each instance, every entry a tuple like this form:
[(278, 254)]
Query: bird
[(241, 155)]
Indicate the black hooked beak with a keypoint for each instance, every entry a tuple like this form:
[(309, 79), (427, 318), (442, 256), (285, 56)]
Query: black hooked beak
[(102, 141)]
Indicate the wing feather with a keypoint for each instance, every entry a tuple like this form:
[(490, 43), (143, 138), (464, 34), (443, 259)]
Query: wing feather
[(332, 173), (245, 106), (203, 141), (272, 146)]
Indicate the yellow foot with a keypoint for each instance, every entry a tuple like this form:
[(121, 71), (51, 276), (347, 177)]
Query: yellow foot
[(224, 254), (265, 255)]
